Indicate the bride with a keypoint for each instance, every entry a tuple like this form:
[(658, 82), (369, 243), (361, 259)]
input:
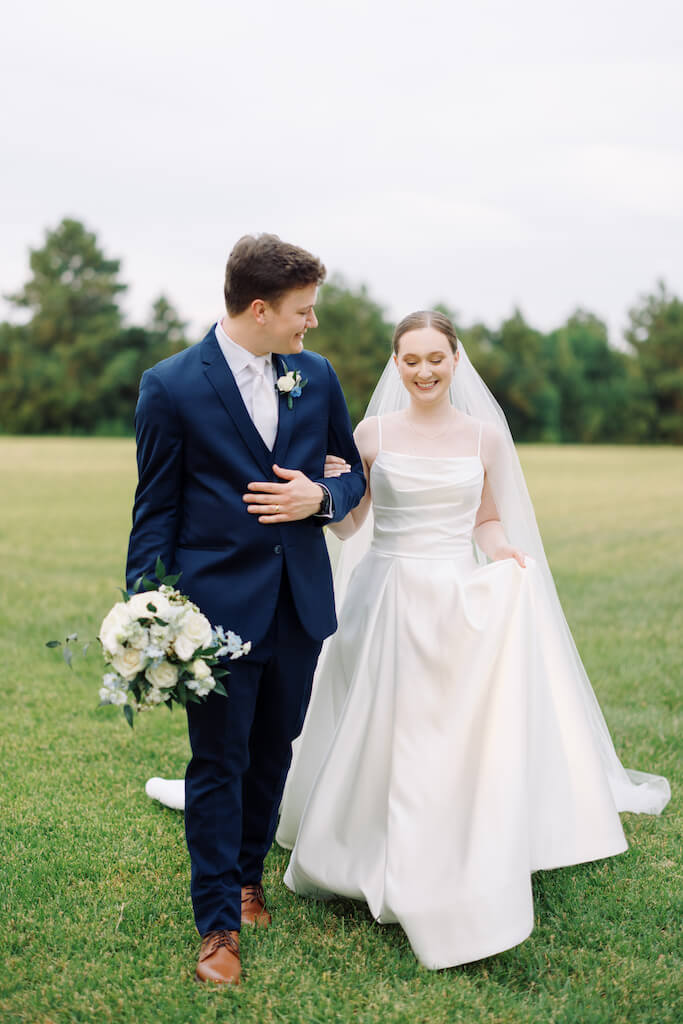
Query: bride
[(453, 744)]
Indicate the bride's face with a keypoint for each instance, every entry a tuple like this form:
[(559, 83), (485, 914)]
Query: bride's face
[(426, 363)]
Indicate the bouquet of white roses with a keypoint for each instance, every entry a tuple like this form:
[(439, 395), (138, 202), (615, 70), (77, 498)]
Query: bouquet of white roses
[(160, 649)]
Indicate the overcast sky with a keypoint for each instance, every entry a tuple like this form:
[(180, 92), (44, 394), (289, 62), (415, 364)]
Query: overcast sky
[(487, 154)]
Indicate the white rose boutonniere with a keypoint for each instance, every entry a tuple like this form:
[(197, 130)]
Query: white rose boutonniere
[(291, 384)]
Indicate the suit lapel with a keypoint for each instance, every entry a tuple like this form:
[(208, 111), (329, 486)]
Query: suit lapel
[(285, 418), (225, 386)]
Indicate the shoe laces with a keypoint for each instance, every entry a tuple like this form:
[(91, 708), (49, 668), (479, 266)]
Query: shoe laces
[(253, 892), (215, 940)]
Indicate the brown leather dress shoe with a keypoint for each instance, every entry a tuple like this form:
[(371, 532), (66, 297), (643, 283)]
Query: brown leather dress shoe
[(219, 958), (254, 906)]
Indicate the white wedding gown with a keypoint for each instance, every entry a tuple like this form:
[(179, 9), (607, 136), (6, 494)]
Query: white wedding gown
[(447, 752), (448, 749)]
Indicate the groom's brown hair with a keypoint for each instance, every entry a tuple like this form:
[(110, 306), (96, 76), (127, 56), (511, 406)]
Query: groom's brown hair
[(265, 267)]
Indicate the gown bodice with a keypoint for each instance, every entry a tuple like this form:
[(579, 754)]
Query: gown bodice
[(425, 507)]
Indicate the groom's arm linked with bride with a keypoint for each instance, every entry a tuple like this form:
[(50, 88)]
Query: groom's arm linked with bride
[(232, 435)]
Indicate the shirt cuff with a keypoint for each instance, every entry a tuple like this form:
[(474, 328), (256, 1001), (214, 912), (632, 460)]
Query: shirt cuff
[(329, 514)]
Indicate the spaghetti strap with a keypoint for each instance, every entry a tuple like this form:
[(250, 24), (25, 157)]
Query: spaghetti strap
[(379, 433), (479, 441)]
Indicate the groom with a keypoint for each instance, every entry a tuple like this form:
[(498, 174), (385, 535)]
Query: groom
[(231, 494)]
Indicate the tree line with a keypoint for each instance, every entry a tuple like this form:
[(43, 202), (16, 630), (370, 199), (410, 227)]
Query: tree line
[(74, 365)]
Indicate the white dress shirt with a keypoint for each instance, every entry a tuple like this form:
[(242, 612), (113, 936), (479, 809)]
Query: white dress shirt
[(255, 378), (249, 371)]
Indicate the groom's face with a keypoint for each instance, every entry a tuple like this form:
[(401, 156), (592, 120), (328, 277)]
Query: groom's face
[(287, 322)]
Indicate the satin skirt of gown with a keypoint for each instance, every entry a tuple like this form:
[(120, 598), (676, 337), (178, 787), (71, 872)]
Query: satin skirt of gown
[(446, 753)]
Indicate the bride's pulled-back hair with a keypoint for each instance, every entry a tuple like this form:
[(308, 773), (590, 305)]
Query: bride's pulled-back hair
[(425, 318)]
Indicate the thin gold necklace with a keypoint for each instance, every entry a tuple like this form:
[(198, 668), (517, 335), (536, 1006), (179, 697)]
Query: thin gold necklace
[(430, 437)]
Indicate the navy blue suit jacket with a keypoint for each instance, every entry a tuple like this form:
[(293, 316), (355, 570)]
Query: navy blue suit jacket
[(197, 450)]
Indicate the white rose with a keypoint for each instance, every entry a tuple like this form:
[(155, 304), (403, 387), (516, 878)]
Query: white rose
[(113, 625), (196, 628), (200, 669), (137, 605), (128, 662), (285, 383), (163, 676), (184, 648)]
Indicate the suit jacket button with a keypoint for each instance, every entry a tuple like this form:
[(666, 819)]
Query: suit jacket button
[(278, 549)]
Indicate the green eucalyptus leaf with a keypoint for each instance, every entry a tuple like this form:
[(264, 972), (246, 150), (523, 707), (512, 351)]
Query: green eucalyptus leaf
[(140, 582), (219, 688), (128, 712), (148, 585), (159, 569), (171, 581), (124, 594)]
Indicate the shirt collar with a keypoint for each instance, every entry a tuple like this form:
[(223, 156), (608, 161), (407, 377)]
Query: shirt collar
[(237, 357)]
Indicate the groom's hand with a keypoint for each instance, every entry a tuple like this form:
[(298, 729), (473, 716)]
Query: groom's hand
[(299, 498)]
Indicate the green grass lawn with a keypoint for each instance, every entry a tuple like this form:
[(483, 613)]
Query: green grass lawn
[(95, 911)]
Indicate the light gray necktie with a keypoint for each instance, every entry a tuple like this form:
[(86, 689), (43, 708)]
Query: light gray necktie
[(264, 403)]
